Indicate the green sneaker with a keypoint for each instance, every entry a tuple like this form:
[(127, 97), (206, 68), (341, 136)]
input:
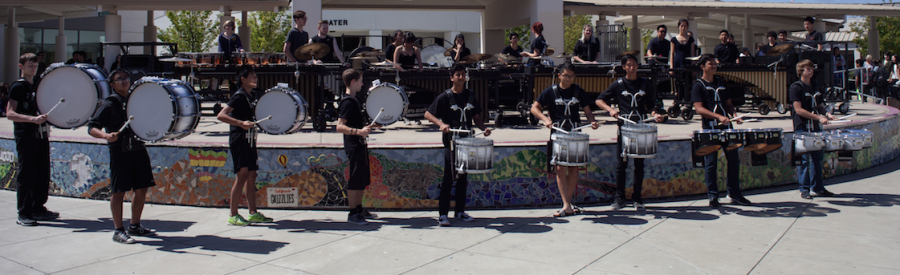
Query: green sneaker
[(259, 217), (238, 220)]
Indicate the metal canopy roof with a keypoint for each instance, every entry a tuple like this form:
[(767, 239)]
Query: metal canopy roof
[(698, 8), (39, 10)]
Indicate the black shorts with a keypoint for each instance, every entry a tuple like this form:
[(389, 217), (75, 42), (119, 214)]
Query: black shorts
[(129, 171), (243, 155), (358, 164)]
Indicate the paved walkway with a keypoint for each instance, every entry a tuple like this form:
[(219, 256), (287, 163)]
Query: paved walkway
[(857, 232)]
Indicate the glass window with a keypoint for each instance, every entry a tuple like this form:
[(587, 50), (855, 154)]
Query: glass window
[(28, 48), (71, 38), (50, 54), (30, 35), (50, 36), (86, 37)]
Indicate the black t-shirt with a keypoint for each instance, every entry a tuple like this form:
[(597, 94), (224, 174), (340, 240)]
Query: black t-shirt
[(350, 110), (727, 53), (660, 47), (328, 40), (24, 94), (512, 52), (242, 104), (538, 45), (587, 51), (465, 52), (547, 99), (110, 116), (389, 52), (705, 92), (642, 104), (440, 108), (297, 38), (798, 92), (814, 36)]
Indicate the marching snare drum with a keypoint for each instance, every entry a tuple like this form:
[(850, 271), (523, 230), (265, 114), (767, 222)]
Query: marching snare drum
[(570, 149), (806, 142), (287, 108), (754, 139), (773, 140), (707, 141), (163, 109), (388, 96), (834, 141), (83, 86), (734, 138), (852, 142), (867, 135), (639, 140), (474, 155)]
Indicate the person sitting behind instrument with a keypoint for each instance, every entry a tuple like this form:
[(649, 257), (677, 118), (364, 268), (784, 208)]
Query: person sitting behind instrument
[(588, 47), (726, 52), (229, 41), (772, 37), (77, 57), (634, 107), (813, 35), (334, 52), (659, 45), (391, 48), (783, 37), (538, 45), (513, 49), (408, 55), (459, 50), (810, 175), (566, 90), (296, 37), (745, 58), (713, 102)]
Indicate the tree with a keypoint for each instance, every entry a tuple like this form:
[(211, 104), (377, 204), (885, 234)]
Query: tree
[(269, 30), (574, 26), (888, 30), (193, 31), (524, 32)]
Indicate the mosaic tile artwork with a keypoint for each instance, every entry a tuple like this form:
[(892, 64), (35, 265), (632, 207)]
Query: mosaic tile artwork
[(410, 178)]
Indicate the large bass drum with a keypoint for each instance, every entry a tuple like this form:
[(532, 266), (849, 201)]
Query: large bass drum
[(83, 86), (287, 108), (388, 96), (163, 109)]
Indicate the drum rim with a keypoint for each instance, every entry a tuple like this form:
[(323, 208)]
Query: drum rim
[(170, 133), (298, 122), (97, 85), (400, 91)]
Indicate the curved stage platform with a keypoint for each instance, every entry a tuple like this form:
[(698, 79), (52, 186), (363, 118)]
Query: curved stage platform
[(306, 169)]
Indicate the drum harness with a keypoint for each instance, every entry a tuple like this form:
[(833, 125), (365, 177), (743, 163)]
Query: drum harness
[(634, 110), (717, 100), (811, 124), (462, 122), (251, 134), (359, 105), (43, 128)]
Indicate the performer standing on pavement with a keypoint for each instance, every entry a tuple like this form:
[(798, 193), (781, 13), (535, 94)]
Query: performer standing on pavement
[(32, 134), (807, 117), (713, 102), (129, 162), (352, 124), (455, 108), (242, 143), (556, 98), (636, 98)]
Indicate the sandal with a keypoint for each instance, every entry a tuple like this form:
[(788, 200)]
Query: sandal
[(562, 213), (577, 209)]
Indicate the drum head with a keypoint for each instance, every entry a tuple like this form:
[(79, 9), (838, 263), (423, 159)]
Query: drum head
[(77, 87), (389, 98), (281, 106), (151, 106), (434, 54)]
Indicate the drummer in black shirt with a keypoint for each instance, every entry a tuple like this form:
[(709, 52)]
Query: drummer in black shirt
[(538, 45), (801, 96), (659, 45), (32, 135), (715, 111), (242, 143), (635, 107), (442, 113), (773, 40), (408, 56), (588, 47), (334, 52), (296, 36), (726, 53), (459, 50), (398, 41), (566, 90), (129, 162), (811, 34), (513, 49), (352, 124)]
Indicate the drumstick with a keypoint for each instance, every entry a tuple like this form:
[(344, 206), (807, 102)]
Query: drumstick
[(840, 121), (61, 100), (843, 117), (376, 117), (261, 120), (130, 118), (649, 119), (627, 120), (749, 120), (582, 127), (740, 116), (560, 130)]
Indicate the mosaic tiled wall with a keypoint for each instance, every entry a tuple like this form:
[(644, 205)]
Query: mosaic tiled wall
[(409, 178)]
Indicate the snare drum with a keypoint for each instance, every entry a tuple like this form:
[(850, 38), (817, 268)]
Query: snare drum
[(807, 142), (773, 140), (707, 141), (639, 140), (163, 109), (473, 155), (287, 108), (866, 134), (834, 141), (852, 142), (390, 97), (734, 138), (755, 139), (83, 86), (570, 149)]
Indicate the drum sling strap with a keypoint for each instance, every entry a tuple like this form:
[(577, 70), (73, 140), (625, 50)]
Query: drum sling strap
[(462, 111), (44, 128), (555, 88), (129, 141), (358, 105), (252, 133)]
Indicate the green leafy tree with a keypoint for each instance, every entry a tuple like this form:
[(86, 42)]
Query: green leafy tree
[(574, 26), (888, 31), (524, 32), (193, 31), (269, 30)]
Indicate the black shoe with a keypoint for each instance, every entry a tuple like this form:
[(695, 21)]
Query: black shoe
[(47, 215), (714, 202), (617, 204), (805, 195), (823, 193), (368, 215), (26, 221), (121, 237), (140, 230), (740, 200)]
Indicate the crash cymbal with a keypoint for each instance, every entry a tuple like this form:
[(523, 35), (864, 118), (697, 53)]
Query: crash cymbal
[(308, 51), (692, 58), (384, 63), (374, 53), (656, 57), (447, 52), (780, 49), (472, 58), (504, 57), (369, 58), (176, 59), (549, 51), (564, 55)]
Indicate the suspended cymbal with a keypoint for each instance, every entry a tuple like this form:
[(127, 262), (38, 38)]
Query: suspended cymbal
[(447, 52), (176, 59), (692, 58), (549, 51), (384, 63), (472, 58), (780, 49), (564, 55), (374, 53), (308, 51), (656, 57), (504, 57)]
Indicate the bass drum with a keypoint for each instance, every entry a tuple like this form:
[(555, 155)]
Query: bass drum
[(434, 54), (83, 86), (390, 97), (287, 108), (163, 109)]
